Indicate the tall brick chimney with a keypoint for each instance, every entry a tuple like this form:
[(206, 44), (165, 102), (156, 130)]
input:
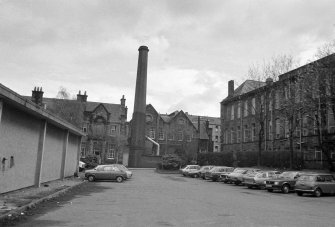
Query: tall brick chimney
[(37, 96), (137, 140), (230, 88), (82, 98)]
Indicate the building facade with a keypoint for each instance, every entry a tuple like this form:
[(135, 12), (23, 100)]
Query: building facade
[(276, 123), (104, 124), (180, 132)]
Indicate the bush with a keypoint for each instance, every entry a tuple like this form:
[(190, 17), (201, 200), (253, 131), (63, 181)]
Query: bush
[(170, 162)]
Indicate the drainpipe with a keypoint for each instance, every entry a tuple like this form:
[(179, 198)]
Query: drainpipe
[(154, 142)]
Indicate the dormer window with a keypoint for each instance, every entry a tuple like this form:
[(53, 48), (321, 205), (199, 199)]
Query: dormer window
[(148, 118)]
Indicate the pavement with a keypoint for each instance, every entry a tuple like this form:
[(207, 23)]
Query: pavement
[(16, 203)]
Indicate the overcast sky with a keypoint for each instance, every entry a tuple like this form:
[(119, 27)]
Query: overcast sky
[(195, 46)]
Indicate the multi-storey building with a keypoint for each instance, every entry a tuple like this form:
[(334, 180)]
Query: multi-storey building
[(180, 132), (105, 124), (279, 123)]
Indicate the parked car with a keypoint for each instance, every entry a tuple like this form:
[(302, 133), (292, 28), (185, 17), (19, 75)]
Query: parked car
[(215, 173), (285, 182), (199, 172), (258, 179), (188, 168), (106, 172), (204, 170), (125, 169), (236, 177), (316, 184)]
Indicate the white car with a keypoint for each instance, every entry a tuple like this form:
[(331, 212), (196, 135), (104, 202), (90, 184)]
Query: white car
[(189, 168)]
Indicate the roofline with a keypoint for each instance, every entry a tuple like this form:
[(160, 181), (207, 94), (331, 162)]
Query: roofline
[(30, 107)]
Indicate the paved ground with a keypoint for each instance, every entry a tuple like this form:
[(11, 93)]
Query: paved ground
[(151, 199)]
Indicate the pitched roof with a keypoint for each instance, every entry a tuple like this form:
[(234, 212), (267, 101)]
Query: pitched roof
[(247, 86), (114, 109)]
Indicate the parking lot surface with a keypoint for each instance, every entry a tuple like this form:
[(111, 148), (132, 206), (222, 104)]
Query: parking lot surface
[(152, 199)]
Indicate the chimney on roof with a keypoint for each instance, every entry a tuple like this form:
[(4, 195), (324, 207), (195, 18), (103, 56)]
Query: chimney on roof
[(123, 101), (37, 96), (269, 81), (82, 98), (230, 88)]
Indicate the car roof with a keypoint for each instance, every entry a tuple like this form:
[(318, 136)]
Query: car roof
[(316, 174)]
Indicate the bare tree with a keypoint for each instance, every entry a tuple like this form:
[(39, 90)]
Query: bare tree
[(325, 50), (278, 65)]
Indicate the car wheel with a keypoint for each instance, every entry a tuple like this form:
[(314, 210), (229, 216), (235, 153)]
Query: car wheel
[(196, 175), (237, 183), (270, 190), (285, 189), (317, 192), (249, 186), (214, 179), (91, 178), (299, 193), (119, 179)]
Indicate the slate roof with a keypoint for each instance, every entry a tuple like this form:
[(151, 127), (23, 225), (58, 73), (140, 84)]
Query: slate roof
[(114, 109), (247, 86)]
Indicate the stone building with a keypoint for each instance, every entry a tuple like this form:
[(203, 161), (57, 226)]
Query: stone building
[(105, 124), (271, 119), (180, 132)]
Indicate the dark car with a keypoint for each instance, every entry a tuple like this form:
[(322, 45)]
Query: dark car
[(316, 184), (285, 182), (106, 172), (258, 179), (215, 173)]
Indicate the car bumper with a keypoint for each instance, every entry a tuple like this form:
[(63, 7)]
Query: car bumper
[(273, 186)]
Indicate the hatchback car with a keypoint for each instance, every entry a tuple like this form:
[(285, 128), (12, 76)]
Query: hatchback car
[(258, 179), (106, 172), (125, 169), (285, 182), (189, 168), (316, 184)]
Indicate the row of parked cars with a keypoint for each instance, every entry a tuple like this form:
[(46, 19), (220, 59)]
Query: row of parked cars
[(314, 183)]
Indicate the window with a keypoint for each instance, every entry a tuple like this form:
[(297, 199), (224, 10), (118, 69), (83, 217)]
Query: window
[(331, 124), (216, 148), (228, 113), (270, 130), (239, 110), (181, 121), (277, 100), (83, 149), (277, 128), (253, 132), (246, 108), (318, 155), (262, 103), (305, 126), (152, 133), (216, 138), (112, 130), (180, 135), (270, 103), (84, 128), (246, 133), (253, 106), (111, 151), (286, 129), (232, 113), (160, 134), (232, 132), (238, 134)]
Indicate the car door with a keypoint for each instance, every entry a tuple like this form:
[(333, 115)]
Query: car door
[(328, 185), (107, 173)]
